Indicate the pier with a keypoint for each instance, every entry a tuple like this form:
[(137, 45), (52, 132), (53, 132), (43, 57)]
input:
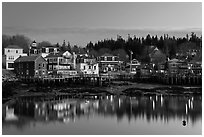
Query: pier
[(106, 80)]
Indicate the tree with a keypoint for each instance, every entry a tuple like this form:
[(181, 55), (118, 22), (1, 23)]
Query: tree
[(19, 40), (44, 44), (75, 49), (121, 53)]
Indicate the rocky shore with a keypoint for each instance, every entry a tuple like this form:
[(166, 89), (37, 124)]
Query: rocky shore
[(15, 90)]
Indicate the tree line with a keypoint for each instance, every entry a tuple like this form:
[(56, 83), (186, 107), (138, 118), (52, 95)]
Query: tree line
[(140, 45), (122, 47)]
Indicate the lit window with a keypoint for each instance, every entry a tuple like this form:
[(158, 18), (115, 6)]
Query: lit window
[(27, 72)]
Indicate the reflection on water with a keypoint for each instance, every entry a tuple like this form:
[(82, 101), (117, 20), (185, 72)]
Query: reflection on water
[(155, 114)]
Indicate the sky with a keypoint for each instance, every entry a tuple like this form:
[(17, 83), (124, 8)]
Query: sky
[(80, 23)]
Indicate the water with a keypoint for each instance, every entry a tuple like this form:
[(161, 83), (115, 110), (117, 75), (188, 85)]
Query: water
[(102, 115)]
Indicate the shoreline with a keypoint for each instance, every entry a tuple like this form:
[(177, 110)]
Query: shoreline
[(115, 88)]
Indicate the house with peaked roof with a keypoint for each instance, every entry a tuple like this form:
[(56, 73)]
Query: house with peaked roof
[(87, 65), (133, 66), (109, 63), (173, 66), (30, 66), (12, 52), (157, 56), (43, 51), (62, 63)]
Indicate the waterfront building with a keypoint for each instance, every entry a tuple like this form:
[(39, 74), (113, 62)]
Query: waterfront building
[(43, 51), (157, 60), (184, 69), (157, 56), (161, 67), (87, 65), (61, 64), (133, 66), (12, 52), (109, 63), (145, 70), (30, 66), (173, 66), (195, 67)]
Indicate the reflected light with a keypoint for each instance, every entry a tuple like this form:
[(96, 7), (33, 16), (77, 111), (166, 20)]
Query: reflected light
[(153, 105)]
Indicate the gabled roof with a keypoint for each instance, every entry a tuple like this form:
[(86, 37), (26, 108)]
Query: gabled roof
[(65, 54), (26, 58), (14, 47)]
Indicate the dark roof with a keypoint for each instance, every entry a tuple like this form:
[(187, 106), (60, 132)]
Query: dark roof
[(26, 58), (107, 54), (14, 47), (60, 54)]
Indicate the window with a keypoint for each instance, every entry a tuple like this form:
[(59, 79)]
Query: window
[(8, 50), (102, 58), (10, 65), (84, 67), (94, 67), (43, 65), (36, 72), (109, 59), (43, 50), (16, 51), (39, 66), (50, 67), (11, 57), (89, 67), (50, 60), (27, 72), (55, 59), (51, 50)]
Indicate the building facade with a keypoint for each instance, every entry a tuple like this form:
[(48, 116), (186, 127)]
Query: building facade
[(30, 66), (109, 63), (43, 51), (173, 66), (12, 52), (133, 66), (61, 64), (87, 66)]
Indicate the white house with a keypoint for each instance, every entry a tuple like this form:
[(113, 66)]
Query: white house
[(63, 63), (87, 65), (12, 52), (43, 51)]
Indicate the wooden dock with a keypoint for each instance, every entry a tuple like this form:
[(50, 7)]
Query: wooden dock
[(106, 80)]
